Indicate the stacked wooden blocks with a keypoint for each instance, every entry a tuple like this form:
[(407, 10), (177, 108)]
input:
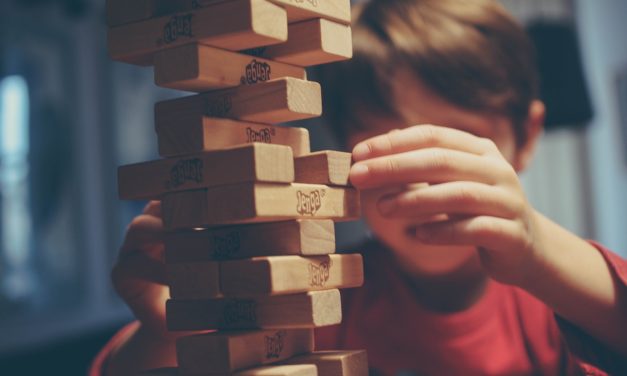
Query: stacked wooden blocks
[(247, 207)]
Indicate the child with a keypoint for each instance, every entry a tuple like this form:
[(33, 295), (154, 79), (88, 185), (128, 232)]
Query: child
[(463, 276)]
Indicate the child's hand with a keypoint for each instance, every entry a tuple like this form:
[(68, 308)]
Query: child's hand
[(139, 274), (470, 182)]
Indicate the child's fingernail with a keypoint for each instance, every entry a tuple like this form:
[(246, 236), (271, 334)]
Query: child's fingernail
[(361, 152), (387, 205)]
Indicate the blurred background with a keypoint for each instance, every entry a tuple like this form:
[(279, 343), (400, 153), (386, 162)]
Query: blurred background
[(69, 116)]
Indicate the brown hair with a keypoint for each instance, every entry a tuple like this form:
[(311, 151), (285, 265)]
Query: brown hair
[(472, 53)]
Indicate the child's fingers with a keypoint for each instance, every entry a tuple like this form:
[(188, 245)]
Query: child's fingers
[(420, 137), (433, 165), (140, 266), (153, 208), (486, 232), (468, 198), (143, 231)]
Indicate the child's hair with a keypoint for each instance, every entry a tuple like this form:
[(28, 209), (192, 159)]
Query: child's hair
[(472, 53)]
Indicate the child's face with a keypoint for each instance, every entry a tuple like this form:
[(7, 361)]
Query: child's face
[(418, 105)]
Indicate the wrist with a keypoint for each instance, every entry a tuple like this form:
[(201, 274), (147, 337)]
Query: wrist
[(535, 257)]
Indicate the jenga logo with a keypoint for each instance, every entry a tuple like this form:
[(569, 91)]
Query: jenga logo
[(219, 107), (309, 203), (261, 135), (184, 171), (225, 246), (274, 345), (240, 312), (256, 72), (178, 26), (319, 273), (314, 3)]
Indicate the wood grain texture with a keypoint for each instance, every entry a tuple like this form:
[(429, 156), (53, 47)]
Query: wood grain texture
[(309, 310), (194, 135), (335, 363), (300, 237), (335, 10), (232, 25), (199, 68), (283, 370), (301, 10), (199, 280), (253, 203), (225, 352), (310, 43), (255, 162), (120, 12), (277, 275), (325, 167), (272, 102)]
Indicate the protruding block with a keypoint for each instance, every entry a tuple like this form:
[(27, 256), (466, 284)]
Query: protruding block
[(310, 43), (225, 352), (290, 274), (335, 10), (309, 310), (258, 202), (248, 163), (277, 101), (204, 134), (124, 11), (301, 237), (335, 363), (199, 280), (199, 68), (232, 25), (283, 370), (324, 167)]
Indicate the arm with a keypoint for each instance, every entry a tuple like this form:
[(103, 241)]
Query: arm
[(573, 278), (479, 192)]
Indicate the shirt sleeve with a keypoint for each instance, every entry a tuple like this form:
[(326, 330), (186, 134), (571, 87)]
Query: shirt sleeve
[(593, 357), (99, 365)]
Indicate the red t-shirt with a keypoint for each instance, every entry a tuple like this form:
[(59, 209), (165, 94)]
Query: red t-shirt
[(507, 332)]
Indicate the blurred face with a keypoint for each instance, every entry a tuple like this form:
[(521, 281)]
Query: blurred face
[(418, 105)]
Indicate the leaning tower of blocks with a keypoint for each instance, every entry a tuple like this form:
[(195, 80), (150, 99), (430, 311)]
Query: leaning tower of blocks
[(247, 207)]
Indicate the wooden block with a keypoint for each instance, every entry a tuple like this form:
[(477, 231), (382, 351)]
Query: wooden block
[(301, 237), (264, 276), (309, 310), (301, 10), (335, 10), (232, 25), (276, 101), (294, 370), (204, 133), (283, 370), (199, 68), (335, 363), (247, 163), (311, 43), (224, 352), (276, 275), (199, 280), (324, 167), (120, 12), (258, 202)]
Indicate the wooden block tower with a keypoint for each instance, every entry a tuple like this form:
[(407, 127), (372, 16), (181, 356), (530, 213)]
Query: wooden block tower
[(247, 207)]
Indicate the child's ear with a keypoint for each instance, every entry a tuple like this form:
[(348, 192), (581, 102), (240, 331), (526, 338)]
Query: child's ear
[(534, 125)]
